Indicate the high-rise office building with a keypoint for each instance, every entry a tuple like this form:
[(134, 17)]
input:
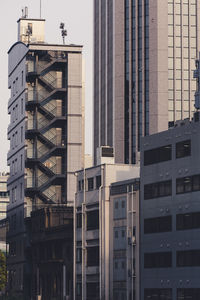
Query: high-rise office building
[(45, 133), (144, 55)]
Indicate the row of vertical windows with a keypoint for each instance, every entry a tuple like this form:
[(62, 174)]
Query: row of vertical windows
[(189, 258), (92, 220), (157, 155), (164, 153), (157, 294), (90, 183), (158, 189), (166, 294), (188, 294), (190, 220), (156, 225), (188, 184), (164, 188), (158, 260)]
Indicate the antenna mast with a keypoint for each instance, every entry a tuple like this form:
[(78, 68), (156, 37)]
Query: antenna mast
[(63, 32)]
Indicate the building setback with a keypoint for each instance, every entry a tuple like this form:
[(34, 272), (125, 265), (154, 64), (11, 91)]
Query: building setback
[(144, 55), (169, 213), (97, 249), (45, 133)]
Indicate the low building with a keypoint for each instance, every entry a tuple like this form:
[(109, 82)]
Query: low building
[(50, 252), (94, 228), (170, 213)]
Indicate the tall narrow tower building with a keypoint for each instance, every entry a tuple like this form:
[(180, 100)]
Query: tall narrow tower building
[(45, 133)]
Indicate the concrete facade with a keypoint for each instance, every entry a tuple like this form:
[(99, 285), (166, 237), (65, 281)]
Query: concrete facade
[(144, 55), (93, 230), (169, 213), (45, 133)]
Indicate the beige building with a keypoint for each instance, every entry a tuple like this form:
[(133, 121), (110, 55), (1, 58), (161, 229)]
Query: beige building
[(144, 57), (97, 251), (45, 133)]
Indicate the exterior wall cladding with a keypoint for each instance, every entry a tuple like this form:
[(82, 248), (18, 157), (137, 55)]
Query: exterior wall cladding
[(106, 233), (144, 52), (45, 134), (170, 213)]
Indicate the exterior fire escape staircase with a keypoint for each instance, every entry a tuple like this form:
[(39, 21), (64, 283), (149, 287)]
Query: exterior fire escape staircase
[(47, 143)]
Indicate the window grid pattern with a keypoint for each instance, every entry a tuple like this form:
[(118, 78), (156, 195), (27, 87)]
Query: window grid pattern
[(182, 51)]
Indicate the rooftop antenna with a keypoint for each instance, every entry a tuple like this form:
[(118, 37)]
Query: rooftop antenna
[(25, 12), (63, 32)]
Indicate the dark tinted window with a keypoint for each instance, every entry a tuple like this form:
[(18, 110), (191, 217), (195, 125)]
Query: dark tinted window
[(98, 181), (188, 184), (93, 220), (92, 256), (90, 184), (156, 225), (188, 221), (190, 258), (158, 260), (158, 189), (158, 294), (183, 149), (193, 294), (157, 155), (92, 290), (79, 220)]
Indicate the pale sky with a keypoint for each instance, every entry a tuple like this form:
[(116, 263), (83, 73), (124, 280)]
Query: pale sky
[(78, 18)]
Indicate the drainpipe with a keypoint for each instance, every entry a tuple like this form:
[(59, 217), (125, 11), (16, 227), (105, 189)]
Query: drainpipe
[(74, 247), (83, 239), (100, 231)]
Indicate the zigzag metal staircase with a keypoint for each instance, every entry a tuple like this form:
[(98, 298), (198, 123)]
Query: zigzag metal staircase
[(43, 129)]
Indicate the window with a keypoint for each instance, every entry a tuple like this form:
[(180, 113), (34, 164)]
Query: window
[(30, 28), (158, 260), (158, 189), (92, 256), (21, 134), (183, 149), (22, 81), (188, 184), (15, 194), (79, 220), (4, 194), (21, 161), (156, 225), (188, 221), (22, 106), (92, 290), (90, 184), (98, 181), (79, 185), (193, 294), (190, 258), (79, 255), (157, 294), (157, 155), (92, 219)]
